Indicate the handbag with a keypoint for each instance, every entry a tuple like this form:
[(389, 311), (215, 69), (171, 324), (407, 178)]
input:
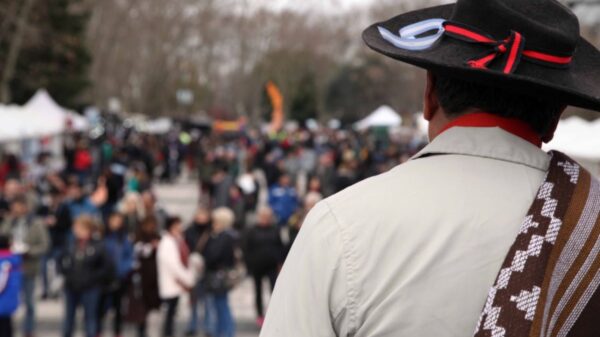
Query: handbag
[(223, 280)]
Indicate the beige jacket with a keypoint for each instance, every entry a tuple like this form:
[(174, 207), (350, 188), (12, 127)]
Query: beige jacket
[(412, 252)]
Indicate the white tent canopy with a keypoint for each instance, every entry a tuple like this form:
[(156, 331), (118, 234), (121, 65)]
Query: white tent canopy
[(58, 118), (40, 117), (11, 122), (46, 117), (577, 138), (384, 116)]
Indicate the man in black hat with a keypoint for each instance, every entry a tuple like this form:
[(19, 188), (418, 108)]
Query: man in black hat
[(481, 233)]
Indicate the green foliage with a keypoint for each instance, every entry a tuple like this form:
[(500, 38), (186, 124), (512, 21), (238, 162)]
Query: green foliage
[(54, 55), (359, 88), (304, 102)]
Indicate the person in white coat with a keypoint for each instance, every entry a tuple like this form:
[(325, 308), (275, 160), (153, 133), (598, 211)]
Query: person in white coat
[(176, 273)]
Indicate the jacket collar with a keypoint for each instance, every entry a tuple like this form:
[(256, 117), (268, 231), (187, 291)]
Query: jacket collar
[(487, 142)]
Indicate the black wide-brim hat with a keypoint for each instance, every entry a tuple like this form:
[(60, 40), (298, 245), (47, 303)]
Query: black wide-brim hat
[(546, 27)]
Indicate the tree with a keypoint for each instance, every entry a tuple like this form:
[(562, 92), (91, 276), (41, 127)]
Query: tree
[(53, 54), (358, 89), (304, 103), (13, 47)]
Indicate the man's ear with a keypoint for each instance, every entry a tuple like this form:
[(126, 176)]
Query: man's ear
[(547, 138), (431, 103)]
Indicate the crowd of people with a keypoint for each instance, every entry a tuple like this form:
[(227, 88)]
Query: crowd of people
[(86, 226)]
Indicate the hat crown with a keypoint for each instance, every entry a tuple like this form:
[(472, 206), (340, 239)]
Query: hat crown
[(547, 25)]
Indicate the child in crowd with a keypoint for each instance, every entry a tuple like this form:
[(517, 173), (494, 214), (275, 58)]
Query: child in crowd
[(10, 285), (86, 267), (120, 249)]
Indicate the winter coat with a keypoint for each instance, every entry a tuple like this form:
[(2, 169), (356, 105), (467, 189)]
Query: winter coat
[(173, 275), (283, 201), (193, 234), (146, 269), (36, 239), (86, 266), (10, 282), (263, 249), (120, 249), (219, 252)]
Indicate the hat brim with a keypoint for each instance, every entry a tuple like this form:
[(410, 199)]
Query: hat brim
[(577, 85)]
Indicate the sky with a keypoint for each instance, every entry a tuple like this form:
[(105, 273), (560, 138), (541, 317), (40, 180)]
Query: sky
[(329, 6)]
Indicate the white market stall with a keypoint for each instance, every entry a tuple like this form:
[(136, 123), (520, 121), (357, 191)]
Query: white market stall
[(38, 125), (384, 116), (50, 118), (579, 139)]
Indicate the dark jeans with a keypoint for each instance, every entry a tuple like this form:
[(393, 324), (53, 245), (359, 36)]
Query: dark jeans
[(141, 328), (258, 279), (89, 300), (111, 301), (169, 324), (6, 326), (28, 291)]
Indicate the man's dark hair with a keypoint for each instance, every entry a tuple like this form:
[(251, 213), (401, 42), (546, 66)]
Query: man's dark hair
[(172, 221), (458, 96)]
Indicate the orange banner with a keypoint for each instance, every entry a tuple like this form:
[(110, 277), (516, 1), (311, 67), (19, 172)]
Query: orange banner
[(277, 103)]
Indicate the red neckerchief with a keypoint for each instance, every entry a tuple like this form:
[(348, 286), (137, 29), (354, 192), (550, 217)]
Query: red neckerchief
[(487, 120)]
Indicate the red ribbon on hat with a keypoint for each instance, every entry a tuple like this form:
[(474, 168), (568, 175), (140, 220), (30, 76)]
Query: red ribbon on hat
[(513, 47)]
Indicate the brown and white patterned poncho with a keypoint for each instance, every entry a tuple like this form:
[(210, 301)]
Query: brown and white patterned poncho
[(549, 282)]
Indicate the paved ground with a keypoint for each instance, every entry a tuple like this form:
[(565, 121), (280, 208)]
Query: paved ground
[(179, 199)]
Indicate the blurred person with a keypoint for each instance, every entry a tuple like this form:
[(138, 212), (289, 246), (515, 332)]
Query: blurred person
[(120, 250), (314, 186), (296, 221), (221, 182), (87, 267), (39, 168), (326, 172), (151, 208), (143, 294), (263, 251), (474, 235), (283, 199), (10, 285), (82, 161), (10, 168), (29, 238), (175, 277), (115, 181), (57, 218), (219, 256), (196, 236), (132, 210), (236, 203), (11, 189), (79, 202)]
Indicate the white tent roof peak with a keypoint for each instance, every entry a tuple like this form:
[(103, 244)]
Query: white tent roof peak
[(384, 116)]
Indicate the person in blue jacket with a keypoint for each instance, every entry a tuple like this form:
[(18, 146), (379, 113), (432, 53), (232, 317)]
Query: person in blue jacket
[(283, 199), (10, 285), (120, 250)]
